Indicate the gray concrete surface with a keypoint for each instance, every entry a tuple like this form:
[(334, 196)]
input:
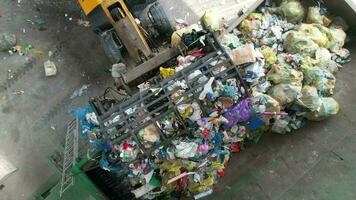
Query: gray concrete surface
[(25, 129), (316, 162)]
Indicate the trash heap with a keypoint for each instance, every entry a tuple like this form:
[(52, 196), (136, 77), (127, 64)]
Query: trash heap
[(175, 137), (289, 56)]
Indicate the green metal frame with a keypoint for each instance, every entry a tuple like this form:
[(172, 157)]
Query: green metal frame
[(83, 188)]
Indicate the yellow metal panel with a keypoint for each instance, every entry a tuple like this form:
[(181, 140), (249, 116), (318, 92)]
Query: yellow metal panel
[(126, 13), (89, 5)]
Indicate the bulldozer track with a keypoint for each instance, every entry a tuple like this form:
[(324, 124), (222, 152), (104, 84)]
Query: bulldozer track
[(61, 106), (16, 75)]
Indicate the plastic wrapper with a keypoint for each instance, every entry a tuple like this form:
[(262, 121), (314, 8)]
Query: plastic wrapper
[(211, 20), (279, 74), (129, 150), (310, 98), (286, 93), (7, 41), (269, 55), (293, 10), (239, 113), (186, 149), (280, 126), (322, 79), (177, 35), (269, 103), (265, 103), (287, 124), (150, 134), (255, 70), (329, 107), (202, 186), (230, 40), (297, 42), (314, 17)]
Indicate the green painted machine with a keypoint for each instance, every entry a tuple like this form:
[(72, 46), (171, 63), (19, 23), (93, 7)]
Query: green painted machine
[(83, 188), (77, 176)]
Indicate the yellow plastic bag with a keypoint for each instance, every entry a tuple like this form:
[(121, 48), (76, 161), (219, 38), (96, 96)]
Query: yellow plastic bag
[(246, 26), (167, 72), (202, 186), (283, 74), (269, 55), (322, 79), (254, 16), (172, 166), (210, 20), (312, 32), (252, 22), (310, 98), (292, 10), (323, 56), (286, 93), (338, 37), (314, 16), (270, 103), (297, 42), (217, 165), (328, 108)]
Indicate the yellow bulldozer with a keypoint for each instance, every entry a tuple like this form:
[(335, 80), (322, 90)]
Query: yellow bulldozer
[(132, 27)]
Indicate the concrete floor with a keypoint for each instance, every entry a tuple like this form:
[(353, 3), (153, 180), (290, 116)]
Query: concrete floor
[(316, 162), (25, 129)]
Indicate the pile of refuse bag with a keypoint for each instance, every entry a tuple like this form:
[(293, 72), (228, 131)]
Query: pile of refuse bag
[(288, 56)]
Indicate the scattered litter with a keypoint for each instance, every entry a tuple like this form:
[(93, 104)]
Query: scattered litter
[(7, 41), (10, 75), (37, 21), (79, 92), (50, 53), (19, 92), (203, 194), (50, 68), (83, 23)]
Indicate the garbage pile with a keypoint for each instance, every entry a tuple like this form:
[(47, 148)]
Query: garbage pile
[(289, 56), (190, 123)]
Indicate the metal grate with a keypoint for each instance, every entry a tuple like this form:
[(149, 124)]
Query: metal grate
[(149, 109), (70, 155)]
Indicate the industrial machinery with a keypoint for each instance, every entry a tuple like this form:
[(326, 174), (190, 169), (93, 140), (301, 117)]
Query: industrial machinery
[(78, 174), (86, 174), (136, 27)]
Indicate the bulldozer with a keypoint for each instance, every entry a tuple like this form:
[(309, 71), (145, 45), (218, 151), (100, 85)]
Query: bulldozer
[(131, 30)]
